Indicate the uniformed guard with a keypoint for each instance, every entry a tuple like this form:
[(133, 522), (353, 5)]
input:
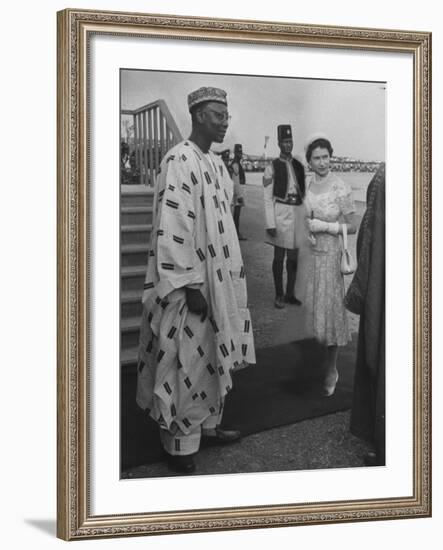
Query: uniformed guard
[(225, 156), (284, 190), (238, 177)]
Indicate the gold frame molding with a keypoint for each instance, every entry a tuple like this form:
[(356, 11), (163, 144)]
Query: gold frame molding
[(75, 28)]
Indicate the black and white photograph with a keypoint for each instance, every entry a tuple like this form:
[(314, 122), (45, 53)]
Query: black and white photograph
[(252, 273)]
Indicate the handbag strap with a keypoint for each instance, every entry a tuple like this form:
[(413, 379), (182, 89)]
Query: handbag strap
[(344, 229)]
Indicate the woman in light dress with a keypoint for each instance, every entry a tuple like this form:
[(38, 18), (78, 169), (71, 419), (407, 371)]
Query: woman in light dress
[(329, 205)]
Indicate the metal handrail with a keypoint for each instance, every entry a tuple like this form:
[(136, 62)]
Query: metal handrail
[(155, 132)]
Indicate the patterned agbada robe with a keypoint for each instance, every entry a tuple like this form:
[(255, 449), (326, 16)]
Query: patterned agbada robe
[(184, 368)]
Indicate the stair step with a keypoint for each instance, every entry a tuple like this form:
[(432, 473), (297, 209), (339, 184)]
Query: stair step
[(136, 209), (131, 296), (136, 214), (131, 324), (130, 330), (130, 271), (137, 190), (132, 278), (135, 247), (128, 357), (136, 234), (136, 195), (137, 227), (131, 303), (134, 254)]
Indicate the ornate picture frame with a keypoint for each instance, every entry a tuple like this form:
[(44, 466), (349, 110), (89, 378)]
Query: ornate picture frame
[(76, 517)]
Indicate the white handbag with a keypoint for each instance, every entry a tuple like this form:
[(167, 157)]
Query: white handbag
[(347, 264)]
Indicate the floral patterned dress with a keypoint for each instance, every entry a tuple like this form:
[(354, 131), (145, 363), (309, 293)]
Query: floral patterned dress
[(324, 294)]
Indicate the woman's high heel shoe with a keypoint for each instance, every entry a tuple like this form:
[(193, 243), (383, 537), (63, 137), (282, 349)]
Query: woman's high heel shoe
[(330, 384)]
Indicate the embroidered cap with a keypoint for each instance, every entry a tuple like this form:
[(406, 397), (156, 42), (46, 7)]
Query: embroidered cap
[(206, 94), (314, 137), (284, 131)]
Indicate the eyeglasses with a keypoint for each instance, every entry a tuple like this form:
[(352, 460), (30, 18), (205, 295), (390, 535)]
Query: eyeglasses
[(221, 117)]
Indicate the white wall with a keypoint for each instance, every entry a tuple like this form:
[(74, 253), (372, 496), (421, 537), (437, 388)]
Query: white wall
[(29, 273)]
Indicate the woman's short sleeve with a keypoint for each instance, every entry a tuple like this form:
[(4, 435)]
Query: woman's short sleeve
[(345, 198)]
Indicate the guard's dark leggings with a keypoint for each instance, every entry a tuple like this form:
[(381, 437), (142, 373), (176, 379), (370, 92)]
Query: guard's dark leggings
[(236, 216), (291, 270)]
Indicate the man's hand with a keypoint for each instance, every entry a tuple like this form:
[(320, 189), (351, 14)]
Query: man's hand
[(196, 302), (271, 231)]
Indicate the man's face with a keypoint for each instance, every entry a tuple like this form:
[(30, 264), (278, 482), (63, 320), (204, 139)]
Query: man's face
[(214, 121), (286, 146)]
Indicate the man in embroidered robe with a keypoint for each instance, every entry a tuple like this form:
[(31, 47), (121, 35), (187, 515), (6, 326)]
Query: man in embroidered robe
[(284, 190), (196, 327)]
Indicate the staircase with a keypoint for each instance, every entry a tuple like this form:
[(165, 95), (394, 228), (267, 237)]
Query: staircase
[(136, 225), (155, 132)]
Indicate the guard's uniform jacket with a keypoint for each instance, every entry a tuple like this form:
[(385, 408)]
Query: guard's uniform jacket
[(284, 190)]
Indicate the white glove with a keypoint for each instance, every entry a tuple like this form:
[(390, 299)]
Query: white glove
[(319, 226)]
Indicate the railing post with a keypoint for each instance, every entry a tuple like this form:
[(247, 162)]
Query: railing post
[(145, 151), (135, 142), (156, 163), (162, 134), (151, 159), (140, 149)]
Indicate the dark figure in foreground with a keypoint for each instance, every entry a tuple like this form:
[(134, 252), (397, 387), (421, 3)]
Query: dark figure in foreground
[(366, 297), (196, 327), (239, 179), (284, 190)]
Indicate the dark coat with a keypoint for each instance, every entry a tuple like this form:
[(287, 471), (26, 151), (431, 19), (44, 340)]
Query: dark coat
[(366, 297)]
